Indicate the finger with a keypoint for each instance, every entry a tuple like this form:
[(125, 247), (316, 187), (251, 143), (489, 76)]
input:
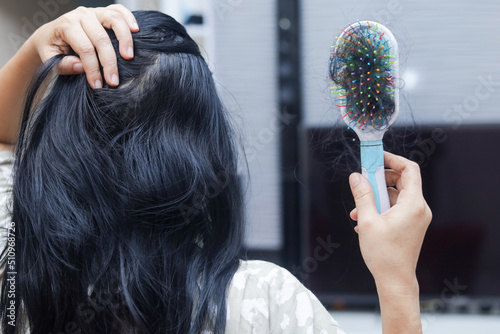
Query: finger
[(102, 43), (394, 162), (363, 196), (354, 214), (356, 229), (393, 178), (128, 15), (82, 45), (69, 65), (410, 172), (115, 20), (393, 195)]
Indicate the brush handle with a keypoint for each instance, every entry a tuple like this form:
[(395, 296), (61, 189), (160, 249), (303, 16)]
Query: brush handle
[(372, 167)]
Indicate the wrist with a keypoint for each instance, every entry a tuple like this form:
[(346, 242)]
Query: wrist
[(30, 49), (400, 306), (401, 284)]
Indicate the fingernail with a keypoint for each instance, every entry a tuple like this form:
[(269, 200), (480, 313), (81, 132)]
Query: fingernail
[(354, 180), (130, 52), (135, 26), (98, 84), (114, 79), (78, 67)]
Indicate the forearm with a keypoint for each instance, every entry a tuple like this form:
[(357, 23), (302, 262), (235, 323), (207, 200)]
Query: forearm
[(15, 77), (400, 307)]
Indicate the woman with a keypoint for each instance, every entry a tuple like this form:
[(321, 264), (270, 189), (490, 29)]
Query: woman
[(127, 205)]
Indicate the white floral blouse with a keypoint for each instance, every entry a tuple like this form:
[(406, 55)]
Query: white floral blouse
[(264, 298)]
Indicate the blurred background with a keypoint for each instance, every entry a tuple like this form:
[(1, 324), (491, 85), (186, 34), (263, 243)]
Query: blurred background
[(270, 59)]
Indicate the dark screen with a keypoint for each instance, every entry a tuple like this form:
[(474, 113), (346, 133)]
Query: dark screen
[(461, 182)]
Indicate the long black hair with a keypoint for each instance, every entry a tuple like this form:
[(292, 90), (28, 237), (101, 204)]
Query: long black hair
[(127, 204)]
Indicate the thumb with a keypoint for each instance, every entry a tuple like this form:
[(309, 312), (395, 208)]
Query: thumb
[(363, 195), (69, 65)]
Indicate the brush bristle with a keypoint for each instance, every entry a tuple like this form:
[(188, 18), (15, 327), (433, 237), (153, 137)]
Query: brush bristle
[(362, 73)]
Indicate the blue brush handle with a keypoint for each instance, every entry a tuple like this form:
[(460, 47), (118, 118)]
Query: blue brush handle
[(372, 167)]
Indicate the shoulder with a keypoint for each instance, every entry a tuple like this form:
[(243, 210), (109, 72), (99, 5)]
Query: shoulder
[(267, 298), (6, 168), (6, 163), (259, 273), (265, 279), (6, 155)]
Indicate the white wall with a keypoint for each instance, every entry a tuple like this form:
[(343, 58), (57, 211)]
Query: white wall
[(245, 66), (140, 4), (18, 20)]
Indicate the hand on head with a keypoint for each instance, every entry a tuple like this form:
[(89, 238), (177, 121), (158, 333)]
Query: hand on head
[(83, 30), (390, 242)]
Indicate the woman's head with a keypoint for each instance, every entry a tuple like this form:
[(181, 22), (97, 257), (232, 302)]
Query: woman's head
[(127, 200)]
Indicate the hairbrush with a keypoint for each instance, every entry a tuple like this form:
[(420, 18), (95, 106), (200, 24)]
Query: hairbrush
[(363, 68)]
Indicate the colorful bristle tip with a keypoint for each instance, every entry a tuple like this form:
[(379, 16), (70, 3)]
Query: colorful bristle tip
[(356, 65)]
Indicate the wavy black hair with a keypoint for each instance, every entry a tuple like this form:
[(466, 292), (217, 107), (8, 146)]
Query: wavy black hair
[(127, 203)]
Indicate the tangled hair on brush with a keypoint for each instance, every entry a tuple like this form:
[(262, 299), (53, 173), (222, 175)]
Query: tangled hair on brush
[(127, 204)]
